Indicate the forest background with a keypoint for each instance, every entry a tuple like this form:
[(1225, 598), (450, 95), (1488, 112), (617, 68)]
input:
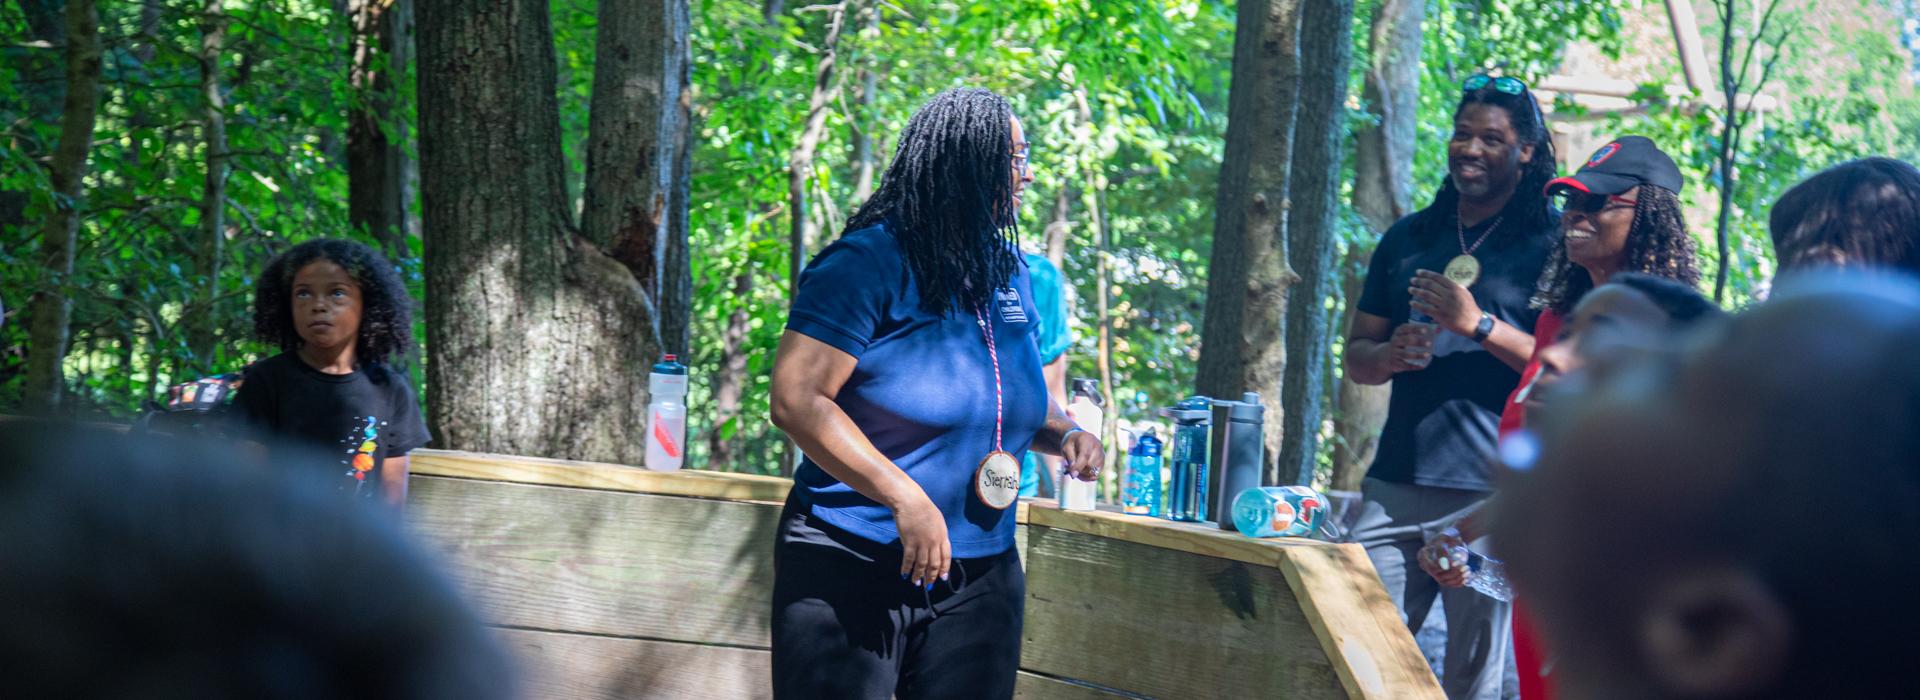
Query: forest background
[(724, 141)]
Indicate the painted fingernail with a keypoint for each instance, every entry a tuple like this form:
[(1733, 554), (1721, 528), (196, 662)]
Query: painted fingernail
[(903, 577), (916, 582), (929, 585)]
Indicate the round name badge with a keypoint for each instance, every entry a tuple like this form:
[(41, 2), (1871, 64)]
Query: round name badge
[(1464, 270), (997, 482)]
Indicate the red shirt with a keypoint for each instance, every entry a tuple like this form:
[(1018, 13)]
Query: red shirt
[(1513, 416), (1529, 651)]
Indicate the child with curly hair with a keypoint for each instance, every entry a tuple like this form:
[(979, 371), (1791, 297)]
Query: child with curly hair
[(338, 311)]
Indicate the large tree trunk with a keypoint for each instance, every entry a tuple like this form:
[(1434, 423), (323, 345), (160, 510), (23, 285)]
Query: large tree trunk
[(51, 310), (540, 341), (210, 248), (1382, 193), (731, 379), (1241, 347), (802, 232), (636, 133), (378, 181), (1312, 228)]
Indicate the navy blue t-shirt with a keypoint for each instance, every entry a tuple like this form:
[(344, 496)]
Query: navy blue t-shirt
[(1443, 421), (922, 390)]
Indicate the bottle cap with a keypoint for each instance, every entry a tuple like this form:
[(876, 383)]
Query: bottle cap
[(670, 364)]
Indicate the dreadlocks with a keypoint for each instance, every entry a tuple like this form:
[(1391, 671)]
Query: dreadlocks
[(1657, 245), (948, 198), (1527, 209)]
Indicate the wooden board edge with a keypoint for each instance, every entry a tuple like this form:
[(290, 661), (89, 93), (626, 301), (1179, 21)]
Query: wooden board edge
[(1357, 623), (599, 475)]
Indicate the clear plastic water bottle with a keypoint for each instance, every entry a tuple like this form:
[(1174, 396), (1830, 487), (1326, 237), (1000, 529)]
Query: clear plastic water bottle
[(1141, 494), (1484, 574), (1280, 511), (1084, 409), (667, 415), (1426, 324)]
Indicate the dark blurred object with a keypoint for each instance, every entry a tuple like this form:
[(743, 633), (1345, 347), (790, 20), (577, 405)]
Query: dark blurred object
[(153, 567), (196, 408)]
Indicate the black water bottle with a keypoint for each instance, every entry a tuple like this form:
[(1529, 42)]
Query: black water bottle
[(1239, 453)]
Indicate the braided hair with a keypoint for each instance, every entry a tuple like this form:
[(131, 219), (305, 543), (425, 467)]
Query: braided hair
[(386, 323), (1657, 245), (948, 198), (1527, 209)]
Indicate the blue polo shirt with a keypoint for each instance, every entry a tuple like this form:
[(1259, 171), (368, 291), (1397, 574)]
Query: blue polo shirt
[(922, 389)]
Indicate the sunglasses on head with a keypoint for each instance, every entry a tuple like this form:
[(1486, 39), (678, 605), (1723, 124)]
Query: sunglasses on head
[(1585, 203), (1506, 84)]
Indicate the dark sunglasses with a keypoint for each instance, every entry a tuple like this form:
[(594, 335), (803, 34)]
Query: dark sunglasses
[(1590, 204), (1506, 84)]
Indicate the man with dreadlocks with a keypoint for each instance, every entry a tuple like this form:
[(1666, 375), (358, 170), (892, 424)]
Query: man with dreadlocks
[(909, 377), (1453, 344)]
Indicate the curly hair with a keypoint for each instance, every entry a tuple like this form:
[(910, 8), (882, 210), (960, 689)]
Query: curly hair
[(1657, 245), (1863, 212), (386, 326), (948, 198), (1527, 209)]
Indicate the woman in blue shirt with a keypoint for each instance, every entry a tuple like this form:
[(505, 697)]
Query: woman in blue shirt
[(909, 377)]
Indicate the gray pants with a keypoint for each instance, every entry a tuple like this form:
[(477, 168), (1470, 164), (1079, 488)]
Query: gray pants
[(1395, 520)]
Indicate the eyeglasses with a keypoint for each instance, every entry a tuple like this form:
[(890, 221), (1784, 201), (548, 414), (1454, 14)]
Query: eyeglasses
[(1507, 84), (1020, 164), (1590, 204)]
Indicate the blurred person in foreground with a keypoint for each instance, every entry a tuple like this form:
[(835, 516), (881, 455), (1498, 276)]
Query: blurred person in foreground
[(157, 568), (1731, 519)]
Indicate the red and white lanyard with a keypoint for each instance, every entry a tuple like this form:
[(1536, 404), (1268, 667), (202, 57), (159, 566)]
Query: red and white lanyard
[(999, 409)]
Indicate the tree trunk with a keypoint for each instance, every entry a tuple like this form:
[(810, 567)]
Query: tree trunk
[(676, 277), (51, 310), (732, 377), (1382, 194), (864, 122), (801, 233), (1059, 227), (377, 180), (1241, 346), (210, 250), (540, 341), (1312, 229), (636, 132)]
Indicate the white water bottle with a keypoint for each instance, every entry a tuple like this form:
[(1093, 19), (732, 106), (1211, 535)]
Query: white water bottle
[(667, 415), (1085, 411)]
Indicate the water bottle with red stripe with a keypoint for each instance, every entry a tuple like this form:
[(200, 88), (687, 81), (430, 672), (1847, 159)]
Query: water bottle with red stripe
[(667, 415)]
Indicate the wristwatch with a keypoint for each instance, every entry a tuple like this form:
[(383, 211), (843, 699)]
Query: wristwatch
[(1480, 332)]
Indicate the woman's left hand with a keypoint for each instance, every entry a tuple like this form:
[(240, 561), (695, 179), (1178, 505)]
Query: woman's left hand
[(1451, 305), (1084, 455)]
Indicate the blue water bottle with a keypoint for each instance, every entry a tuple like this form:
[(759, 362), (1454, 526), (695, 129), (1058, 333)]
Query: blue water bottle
[(1192, 432), (1141, 495)]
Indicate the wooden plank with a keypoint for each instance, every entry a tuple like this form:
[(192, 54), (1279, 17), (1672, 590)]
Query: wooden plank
[(605, 562), (597, 475), (1029, 686), (1357, 624), (1165, 623), (584, 667)]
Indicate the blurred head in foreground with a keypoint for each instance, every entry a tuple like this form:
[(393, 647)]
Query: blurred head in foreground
[(1735, 518), (160, 569)]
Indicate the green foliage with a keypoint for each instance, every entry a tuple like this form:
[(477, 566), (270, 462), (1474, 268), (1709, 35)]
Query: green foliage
[(283, 77)]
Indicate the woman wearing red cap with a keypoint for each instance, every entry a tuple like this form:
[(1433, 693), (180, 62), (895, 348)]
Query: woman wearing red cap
[(1619, 213)]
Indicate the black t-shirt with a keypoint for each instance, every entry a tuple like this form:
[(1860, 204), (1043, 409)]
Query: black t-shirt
[(1443, 421), (358, 420)]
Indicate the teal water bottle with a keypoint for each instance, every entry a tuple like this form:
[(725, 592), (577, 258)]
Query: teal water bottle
[(1279, 511), (1141, 494)]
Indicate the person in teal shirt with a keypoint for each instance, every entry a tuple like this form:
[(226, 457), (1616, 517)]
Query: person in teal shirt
[(1051, 336)]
